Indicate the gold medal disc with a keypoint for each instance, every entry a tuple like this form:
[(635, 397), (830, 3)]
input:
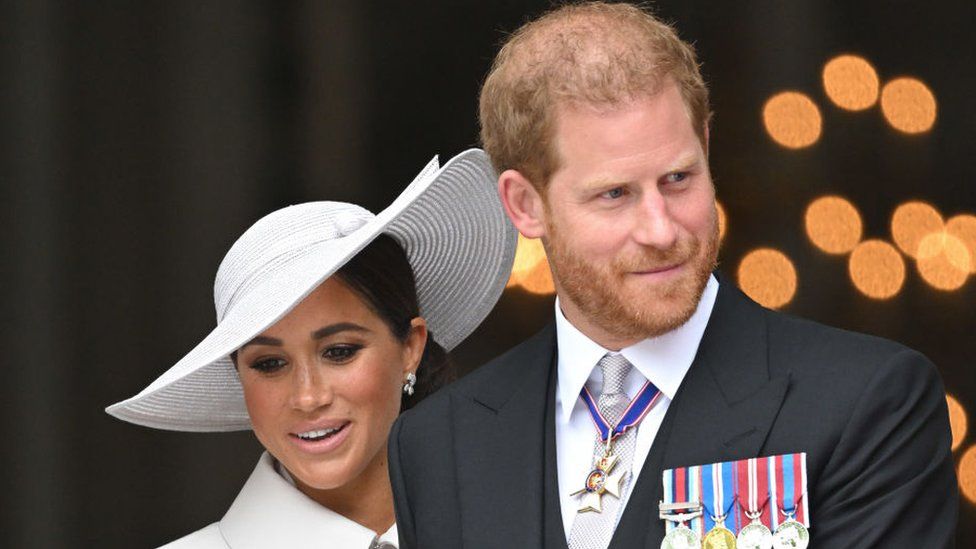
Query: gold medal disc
[(719, 538), (791, 535)]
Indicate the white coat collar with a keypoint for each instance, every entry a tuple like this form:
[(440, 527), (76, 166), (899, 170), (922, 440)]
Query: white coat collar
[(270, 512)]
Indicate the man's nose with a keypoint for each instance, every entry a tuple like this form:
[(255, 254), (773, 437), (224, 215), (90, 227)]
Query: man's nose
[(652, 224)]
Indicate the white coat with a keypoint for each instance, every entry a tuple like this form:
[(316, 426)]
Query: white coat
[(270, 512)]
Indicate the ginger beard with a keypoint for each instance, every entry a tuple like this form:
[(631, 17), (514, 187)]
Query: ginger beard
[(625, 308)]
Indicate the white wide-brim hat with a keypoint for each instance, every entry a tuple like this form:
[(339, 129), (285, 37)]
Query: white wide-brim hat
[(449, 221)]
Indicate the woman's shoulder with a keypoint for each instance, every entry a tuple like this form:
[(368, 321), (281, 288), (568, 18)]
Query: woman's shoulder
[(204, 538)]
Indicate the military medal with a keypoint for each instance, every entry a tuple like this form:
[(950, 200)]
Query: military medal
[(719, 537), (680, 536), (602, 479), (681, 505), (718, 500), (791, 534), (763, 499), (754, 535), (791, 472), (753, 473)]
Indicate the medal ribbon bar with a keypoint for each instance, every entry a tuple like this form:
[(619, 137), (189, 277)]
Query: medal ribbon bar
[(774, 486), (718, 494), (683, 487), (790, 474), (752, 477)]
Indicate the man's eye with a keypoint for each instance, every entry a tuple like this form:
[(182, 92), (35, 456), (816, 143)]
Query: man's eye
[(613, 193), (341, 353), (677, 177), (268, 365)]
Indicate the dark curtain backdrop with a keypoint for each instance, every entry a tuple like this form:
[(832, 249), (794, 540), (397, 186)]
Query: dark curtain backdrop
[(139, 139)]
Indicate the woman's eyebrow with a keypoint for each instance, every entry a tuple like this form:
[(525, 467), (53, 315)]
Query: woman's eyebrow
[(263, 340), (331, 329)]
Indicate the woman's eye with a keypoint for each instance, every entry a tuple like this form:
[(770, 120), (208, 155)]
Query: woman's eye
[(613, 193), (341, 353), (268, 365)]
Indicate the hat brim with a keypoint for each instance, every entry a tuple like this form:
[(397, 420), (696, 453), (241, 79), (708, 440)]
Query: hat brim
[(459, 243)]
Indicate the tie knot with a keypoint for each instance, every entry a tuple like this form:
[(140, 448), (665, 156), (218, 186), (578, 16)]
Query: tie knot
[(615, 369)]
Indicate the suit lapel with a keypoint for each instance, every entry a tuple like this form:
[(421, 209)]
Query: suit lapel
[(722, 411), (500, 429), (555, 534), (725, 407)]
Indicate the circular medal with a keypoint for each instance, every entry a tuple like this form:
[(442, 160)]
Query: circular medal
[(681, 537), (719, 538), (791, 535), (595, 480), (754, 535)]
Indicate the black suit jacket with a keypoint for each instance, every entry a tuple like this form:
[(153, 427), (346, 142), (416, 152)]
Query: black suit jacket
[(474, 465)]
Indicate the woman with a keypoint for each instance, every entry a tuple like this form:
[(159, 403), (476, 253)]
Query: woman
[(325, 323)]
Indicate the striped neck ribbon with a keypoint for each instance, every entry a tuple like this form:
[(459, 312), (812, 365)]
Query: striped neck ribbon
[(635, 412)]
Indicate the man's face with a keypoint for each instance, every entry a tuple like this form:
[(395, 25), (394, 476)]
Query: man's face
[(630, 222)]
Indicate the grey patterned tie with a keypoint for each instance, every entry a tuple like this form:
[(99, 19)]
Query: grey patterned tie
[(594, 530), (378, 544)]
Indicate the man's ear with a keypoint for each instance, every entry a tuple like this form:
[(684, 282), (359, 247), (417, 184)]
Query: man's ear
[(523, 203), (707, 140)]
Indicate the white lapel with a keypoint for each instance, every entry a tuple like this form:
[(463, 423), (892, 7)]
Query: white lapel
[(270, 512)]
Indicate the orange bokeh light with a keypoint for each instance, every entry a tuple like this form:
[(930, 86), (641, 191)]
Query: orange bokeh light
[(967, 474), (792, 120), (722, 220), (913, 221), (908, 105), (538, 280), (943, 261), (528, 254), (768, 277), (957, 420), (963, 227), (851, 82), (833, 224), (876, 269)]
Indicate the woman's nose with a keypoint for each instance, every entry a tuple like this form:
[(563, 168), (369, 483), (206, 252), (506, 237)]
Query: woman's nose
[(311, 388)]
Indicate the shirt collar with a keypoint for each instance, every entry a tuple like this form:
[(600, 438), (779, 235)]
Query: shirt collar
[(271, 512), (663, 360)]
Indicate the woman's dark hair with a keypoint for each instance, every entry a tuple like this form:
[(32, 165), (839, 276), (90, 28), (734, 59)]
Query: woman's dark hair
[(381, 275)]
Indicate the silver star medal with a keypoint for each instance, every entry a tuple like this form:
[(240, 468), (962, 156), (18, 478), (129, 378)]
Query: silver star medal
[(600, 480)]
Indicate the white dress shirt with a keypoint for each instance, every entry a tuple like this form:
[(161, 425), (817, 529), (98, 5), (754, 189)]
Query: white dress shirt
[(271, 513), (662, 360)]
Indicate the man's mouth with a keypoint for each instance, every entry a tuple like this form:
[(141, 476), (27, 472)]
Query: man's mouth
[(655, 270)]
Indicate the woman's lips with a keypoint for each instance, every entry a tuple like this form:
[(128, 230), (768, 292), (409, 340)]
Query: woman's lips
[(323, 445)]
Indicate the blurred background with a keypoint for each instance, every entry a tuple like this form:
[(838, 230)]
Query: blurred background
[(139, 139)]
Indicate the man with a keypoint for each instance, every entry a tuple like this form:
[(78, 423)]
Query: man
[(596, 117)]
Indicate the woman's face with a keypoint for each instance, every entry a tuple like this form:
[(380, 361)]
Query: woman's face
[(323, 386)]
